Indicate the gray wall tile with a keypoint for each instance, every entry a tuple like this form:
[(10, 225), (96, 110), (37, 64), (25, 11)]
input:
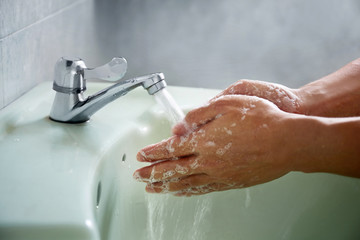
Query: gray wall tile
[(28, 56), (2, 89), (18, 14)]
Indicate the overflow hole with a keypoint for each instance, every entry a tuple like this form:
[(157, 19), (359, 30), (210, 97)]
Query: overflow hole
[(123, 157), (98, 194)]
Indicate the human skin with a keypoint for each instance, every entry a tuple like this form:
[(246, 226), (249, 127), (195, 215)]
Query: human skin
[(239, 141), (335, 95)]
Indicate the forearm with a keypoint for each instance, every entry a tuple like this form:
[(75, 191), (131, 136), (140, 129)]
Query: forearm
[(329, 145), (336, 95)]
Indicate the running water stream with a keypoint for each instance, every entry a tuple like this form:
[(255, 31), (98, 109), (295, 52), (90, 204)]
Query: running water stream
[(172, 109)]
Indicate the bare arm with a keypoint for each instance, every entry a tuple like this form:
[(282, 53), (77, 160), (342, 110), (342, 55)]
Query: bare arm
[(319, 144), (335, 95)]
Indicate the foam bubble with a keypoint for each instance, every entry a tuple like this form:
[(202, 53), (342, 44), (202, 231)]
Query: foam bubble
[(228, 131), (180, 169), (202, 132), (244, 110), (210, 144), (152, 175), (218, 116), (193, 142), (228, 146), (183, 139), (168, 174), (145, 155), (220, 151), (195, 190), (169, 146), (194, 164)]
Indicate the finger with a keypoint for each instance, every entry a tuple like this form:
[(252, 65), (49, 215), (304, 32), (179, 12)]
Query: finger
[(193, 191), (170, 169), (179, 184), (200, 190), (171, 148)]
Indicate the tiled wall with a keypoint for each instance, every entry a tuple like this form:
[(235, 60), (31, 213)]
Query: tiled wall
[(34, 34), (202, 43)]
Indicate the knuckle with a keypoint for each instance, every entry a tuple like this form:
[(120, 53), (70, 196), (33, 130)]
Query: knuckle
[(355, 66), (222, 100), (243, 81)]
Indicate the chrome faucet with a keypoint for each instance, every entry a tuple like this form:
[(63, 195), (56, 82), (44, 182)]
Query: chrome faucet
[(71, 106)]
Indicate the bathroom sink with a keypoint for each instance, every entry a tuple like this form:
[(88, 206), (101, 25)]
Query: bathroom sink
[(74, 181)]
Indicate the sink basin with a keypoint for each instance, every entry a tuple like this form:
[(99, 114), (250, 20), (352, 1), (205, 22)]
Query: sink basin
[(63, 181)]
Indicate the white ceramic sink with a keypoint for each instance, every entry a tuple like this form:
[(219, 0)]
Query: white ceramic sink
[(61, 181)]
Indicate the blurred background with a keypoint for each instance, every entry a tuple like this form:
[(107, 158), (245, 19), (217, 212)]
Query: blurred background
[(196, 43)]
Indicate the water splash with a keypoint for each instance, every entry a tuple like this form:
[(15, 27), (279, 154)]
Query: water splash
[(164, 98), (176, 218), (202, 210), (155, 223)]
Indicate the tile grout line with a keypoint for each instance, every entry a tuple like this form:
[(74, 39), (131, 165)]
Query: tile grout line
[(44, 18), (2, 79)]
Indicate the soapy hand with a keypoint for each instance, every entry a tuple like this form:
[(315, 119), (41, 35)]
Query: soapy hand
[(334, 95), (233, 142), (284, 98)]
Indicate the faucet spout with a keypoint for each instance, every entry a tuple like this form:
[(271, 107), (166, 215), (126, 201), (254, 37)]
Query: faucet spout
[(70, 104)]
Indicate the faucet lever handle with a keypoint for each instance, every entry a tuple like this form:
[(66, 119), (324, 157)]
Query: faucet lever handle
[(111, 71)]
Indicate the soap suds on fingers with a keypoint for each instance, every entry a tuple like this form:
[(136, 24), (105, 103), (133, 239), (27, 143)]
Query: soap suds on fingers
[(222, 151)]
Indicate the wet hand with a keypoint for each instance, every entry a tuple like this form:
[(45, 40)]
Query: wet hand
[(285, 98), (234, 142)]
